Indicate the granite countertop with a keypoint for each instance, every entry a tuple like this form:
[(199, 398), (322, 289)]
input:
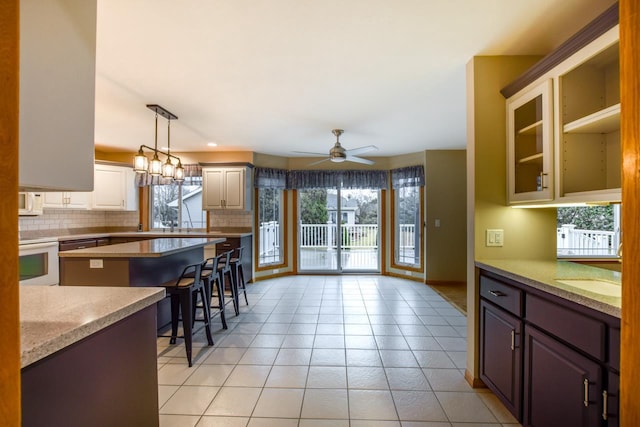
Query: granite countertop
[(152, 248), (547, 276), (54, 317)]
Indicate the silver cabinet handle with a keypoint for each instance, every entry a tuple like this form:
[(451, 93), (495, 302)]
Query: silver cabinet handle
[(513, 339), (605, 404), (586, 392), (497, 293), (542, 175)]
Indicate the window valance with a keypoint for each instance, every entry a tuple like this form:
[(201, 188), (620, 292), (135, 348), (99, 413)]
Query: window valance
[(410, 176), (301, 179), (270, 178), (192, 174)]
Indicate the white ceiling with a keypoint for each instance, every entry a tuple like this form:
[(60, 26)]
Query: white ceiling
[(275, 76)]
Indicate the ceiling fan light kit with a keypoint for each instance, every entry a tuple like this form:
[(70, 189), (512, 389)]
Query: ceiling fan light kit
[(155, 167), (338, 154)]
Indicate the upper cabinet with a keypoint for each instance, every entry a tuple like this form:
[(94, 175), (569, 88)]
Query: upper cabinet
[(530, 144), (67, 200), (57, 95), (563, 122), (114, 188), (588, 131), (226, 188)]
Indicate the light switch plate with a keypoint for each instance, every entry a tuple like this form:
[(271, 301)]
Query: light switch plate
[(495, 237)]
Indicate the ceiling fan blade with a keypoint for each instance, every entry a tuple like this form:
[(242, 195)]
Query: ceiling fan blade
[(318, 162), (362, 150), (360, 160), (307, 152)]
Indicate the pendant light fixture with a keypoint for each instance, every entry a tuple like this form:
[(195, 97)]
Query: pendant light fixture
[(155, 167)]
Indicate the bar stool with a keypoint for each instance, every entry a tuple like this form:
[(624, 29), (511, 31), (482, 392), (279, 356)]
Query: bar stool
[(238, 272), (183, 293), (224, 271), (211, 280)]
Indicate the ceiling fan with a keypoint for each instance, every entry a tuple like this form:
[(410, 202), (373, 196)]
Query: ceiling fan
[(339, 154)]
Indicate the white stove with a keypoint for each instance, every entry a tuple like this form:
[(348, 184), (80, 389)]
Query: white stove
[(39, 262)]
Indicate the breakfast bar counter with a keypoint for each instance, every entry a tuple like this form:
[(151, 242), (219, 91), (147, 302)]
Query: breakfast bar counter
[(145, 263), (90, 352)]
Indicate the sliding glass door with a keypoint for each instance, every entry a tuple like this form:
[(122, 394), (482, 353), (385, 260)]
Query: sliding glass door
[(338, 230)]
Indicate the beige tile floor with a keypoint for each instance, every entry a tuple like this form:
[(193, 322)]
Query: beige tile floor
[(329, 351)]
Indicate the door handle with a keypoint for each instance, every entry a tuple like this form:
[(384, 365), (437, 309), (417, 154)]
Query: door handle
[(605, 404), (497, 293), (513, 340)]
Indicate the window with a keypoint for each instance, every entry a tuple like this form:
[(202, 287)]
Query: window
[(270, 226), (407, 226), (180, 205), (588, 231), (406, 211)]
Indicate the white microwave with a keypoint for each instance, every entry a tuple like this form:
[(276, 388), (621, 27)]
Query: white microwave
[(29, 204)]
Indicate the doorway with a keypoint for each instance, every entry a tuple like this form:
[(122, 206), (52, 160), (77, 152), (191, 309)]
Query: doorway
[(339, 230)]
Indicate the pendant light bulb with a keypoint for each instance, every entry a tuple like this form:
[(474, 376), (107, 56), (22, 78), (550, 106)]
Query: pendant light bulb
[(179, 173), (140, 162)]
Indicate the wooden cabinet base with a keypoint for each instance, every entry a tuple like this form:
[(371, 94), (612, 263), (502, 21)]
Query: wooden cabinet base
[(109, 378)]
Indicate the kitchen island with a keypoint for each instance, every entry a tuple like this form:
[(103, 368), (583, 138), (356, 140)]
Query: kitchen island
[(88, 356), (134, 264)]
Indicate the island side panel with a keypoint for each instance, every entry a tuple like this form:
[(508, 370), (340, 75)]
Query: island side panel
[(108, 378), (78, 272)]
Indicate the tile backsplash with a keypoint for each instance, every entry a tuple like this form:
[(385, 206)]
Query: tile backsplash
[(229, 218), (59, 221)]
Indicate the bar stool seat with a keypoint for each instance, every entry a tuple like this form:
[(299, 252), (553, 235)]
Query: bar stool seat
[(183, 292)]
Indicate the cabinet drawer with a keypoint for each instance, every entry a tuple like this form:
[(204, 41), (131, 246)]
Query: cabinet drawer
[(502, 295), (579, 330), (77, 244)]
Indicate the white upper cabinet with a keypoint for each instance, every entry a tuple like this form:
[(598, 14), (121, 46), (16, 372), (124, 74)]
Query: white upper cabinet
[(114, 188), (530, 144), (67, 200), (57, 94), (226, 188), (563, 125), (588, 131)]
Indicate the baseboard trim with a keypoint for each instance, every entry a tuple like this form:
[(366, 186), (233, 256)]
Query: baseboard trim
[(473, 382)]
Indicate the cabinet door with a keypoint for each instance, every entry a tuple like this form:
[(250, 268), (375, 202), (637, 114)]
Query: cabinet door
[(212, 188), (53, 200), (114, 188), (78, 200), (562, 387), (501, 355), (234, 188), (530, 145)]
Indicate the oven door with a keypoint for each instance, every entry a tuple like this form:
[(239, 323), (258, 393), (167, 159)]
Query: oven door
[(39, 264)]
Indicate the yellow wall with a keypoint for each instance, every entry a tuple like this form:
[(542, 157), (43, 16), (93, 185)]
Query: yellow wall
[(528, 233), (445, 195)]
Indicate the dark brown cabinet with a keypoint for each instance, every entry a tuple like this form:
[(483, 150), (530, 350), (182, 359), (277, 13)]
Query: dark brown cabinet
[(551, 361), (563, 388), (69, 245), (501, 354)]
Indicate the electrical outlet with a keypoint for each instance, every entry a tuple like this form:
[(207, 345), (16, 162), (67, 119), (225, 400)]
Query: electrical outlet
[(495, 237), (96, 263), (276, 270)]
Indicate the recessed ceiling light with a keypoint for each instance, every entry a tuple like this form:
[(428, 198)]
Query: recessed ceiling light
[(212, 144)]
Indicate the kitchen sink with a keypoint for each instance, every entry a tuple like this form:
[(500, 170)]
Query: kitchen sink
[(601, 287)]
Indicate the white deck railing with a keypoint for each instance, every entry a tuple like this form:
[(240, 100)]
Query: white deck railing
[(351, 236), (586, 242)]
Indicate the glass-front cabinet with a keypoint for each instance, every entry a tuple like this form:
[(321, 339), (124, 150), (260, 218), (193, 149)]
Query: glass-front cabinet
[(530, 144)]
